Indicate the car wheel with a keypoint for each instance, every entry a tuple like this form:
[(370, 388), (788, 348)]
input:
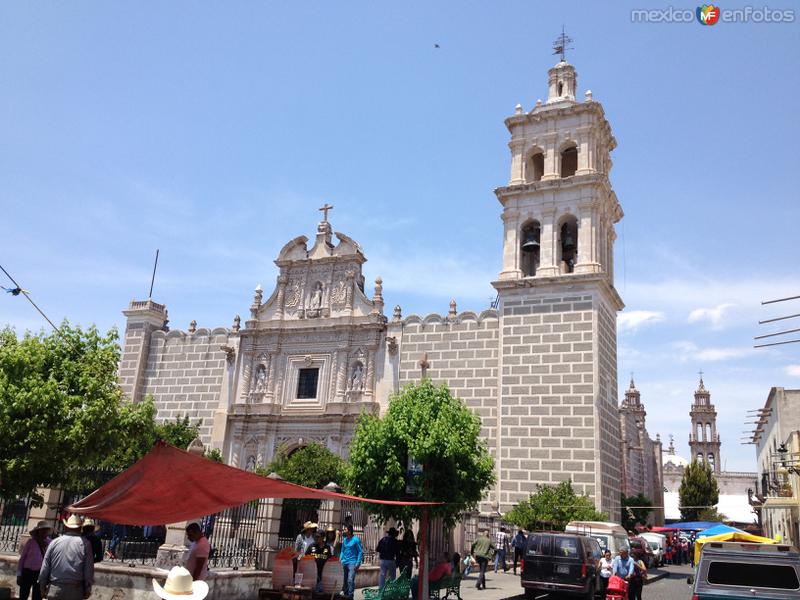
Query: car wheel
[(530, 594)]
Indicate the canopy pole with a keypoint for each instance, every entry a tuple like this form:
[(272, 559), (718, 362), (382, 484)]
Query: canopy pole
[(422, 581)]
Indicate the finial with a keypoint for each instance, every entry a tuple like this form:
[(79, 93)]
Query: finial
[(378, 288), (518, 109), (324, 211), (633, 386), (538, 102), (237, 323), (397, 316), (562, 44), (453, 310), (192, 326), (702, 387), (588, 95)]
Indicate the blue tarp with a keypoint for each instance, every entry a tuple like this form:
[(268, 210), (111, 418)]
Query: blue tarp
[(693, 525), (719, 528)]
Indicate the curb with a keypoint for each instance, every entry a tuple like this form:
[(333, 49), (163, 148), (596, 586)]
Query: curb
[(652, 578)]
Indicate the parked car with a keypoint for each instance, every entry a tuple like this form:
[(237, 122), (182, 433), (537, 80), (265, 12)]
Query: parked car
[(738, 570), (610, 536), (641, 549), (560, 562), (657, 543)]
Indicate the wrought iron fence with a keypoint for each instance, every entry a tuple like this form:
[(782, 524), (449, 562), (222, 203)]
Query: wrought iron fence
[(13, 522), (235, 539)]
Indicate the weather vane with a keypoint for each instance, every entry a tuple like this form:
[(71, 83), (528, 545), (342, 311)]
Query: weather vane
[(562, 44)]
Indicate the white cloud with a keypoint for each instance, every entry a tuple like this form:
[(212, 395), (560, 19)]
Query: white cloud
[(689, 351), (632, 320), (792, 370), (712, 315)]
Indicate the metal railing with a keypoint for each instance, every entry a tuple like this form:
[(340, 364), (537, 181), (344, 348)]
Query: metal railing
[(13, 523)]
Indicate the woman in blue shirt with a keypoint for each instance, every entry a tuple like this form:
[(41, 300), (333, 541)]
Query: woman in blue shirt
[(351, 556)]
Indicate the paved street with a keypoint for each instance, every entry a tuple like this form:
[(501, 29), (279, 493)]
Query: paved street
[(507, 587)]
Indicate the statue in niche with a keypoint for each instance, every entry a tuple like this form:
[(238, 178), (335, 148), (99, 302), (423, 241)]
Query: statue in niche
[(357, 378), (251, 463), (315, 302), (261, 378)]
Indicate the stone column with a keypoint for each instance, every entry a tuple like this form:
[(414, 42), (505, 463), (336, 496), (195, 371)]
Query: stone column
[(550, 157), (282, 281), (341, 376), (587, 240), (548, 250), (511, 224), (48, 511), (517, 161), (584, 145), (268, 523), (370, 375)]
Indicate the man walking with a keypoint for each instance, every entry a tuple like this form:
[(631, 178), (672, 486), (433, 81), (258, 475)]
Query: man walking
[(482, 549), (519, 547), (67, 571), (623, 565), (387, 550), (351, 556), (501, 544)]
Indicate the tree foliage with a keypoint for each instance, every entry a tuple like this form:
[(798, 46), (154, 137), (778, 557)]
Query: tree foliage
[(312, 466), (698, 490), (631, 515), (424, 422), (553, 507), (62, 411)]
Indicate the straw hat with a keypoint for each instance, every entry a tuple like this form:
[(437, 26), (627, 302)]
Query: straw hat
[(89, 523), (74, 522), (309, 525), (179, 586), (39, 526)]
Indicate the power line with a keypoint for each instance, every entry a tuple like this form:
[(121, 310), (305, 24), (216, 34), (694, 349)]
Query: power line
[(27, 295), (780, 300)]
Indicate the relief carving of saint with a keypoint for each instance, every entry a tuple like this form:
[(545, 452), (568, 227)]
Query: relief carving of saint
[(261, 378), (316, 296), (357, 378)]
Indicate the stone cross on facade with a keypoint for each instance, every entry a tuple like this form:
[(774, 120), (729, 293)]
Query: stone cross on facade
[(424, 365), (324, 211)]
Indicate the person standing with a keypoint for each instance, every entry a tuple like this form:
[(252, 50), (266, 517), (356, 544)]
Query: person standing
[(637, 578), (351, 557), (387, 550), (67, 571), (482, 549), (605, 573), (94, 540), (321, 551), (199, 550), (407, 557), (30, 561), (501, 545), (519, 547)]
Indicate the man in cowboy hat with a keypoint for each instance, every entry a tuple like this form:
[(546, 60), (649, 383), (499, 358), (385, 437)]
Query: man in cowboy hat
[(94, 540), (180, 586), (67, 568), (30, 561), (303, 542)]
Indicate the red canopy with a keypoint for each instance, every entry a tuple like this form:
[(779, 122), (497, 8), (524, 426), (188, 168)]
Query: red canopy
[(169, 485)]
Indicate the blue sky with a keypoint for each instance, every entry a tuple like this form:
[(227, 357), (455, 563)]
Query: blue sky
[(214, 130)]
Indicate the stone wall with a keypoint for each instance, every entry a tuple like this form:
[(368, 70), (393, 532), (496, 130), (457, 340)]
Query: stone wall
[(184, 374), (607, 430), (462, 352)]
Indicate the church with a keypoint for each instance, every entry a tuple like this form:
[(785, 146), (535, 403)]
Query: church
[(321, 346)]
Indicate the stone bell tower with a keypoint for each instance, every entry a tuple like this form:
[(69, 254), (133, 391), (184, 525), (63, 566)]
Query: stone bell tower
[(704, 442), (557, 299)]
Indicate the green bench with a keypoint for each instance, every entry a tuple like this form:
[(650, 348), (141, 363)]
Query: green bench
[(448, 585), (398, 589)]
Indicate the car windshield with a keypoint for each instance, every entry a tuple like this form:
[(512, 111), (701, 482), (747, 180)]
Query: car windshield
[(566, 547), (602, 540), (782, 577), (653, 545)]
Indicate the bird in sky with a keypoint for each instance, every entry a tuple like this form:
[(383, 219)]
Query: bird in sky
[(436, 46), (15, 291)]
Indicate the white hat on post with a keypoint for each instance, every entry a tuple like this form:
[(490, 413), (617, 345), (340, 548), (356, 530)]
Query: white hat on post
[(179, 586)]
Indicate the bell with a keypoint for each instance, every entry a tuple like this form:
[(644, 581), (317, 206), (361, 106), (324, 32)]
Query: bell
[(530, 243), (567, 240)]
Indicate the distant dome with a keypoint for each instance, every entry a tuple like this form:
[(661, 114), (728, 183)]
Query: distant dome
[(675, 460)]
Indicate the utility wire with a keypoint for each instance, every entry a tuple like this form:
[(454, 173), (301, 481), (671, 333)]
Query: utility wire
[(25, 292)]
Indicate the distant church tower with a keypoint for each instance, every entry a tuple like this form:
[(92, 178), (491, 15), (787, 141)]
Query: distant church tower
[(558, 348), (704, 442)]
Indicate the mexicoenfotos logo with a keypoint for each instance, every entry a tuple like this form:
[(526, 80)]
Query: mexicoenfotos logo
[(708, 14)]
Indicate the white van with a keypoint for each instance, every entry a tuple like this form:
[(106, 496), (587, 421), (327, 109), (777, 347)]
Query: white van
[(657, 543), (610, 536)]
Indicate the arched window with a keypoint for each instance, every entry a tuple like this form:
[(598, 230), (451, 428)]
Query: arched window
[(708, 432), (711, 460), (568, 244), (560, 89), (699, 457), (699, 435), (535, 168), (569, 161), (530, 248)]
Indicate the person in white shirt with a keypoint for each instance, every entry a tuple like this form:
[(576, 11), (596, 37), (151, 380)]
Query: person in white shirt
[(199, 549), (605, 572)]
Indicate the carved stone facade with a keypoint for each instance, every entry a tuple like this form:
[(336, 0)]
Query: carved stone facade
[(539, 368)]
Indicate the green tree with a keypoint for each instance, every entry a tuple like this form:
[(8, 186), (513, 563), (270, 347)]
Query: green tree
[(698, 490), (426, 423), (313, 466), (632, 513), (58, 402), (553, 507)]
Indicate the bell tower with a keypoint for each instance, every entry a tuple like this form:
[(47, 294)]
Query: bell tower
[(704, 442), (557, 299)]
